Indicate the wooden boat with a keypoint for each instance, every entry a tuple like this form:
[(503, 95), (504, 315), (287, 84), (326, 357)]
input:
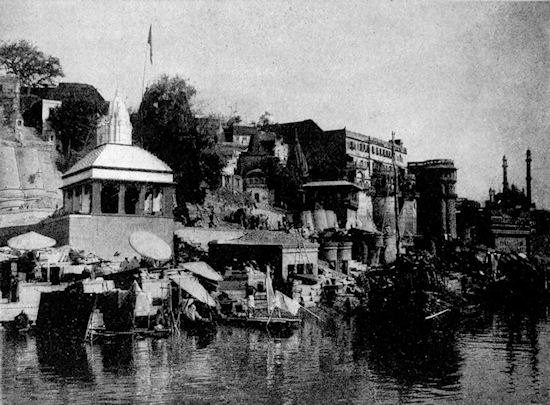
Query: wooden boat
[(263, 322), (101, 334)]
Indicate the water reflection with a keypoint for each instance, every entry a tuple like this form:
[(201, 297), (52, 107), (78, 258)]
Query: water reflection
[(496, 357), (410, 355), (63, 358)]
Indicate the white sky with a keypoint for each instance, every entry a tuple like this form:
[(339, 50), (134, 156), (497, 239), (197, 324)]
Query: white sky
[(466, 81)]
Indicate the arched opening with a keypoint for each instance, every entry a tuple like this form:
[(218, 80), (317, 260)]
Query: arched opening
[(157, 201), (131, 199), (109, 198)]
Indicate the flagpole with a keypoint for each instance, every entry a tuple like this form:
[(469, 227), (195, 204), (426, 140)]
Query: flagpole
[(144, 69), (149, 44)]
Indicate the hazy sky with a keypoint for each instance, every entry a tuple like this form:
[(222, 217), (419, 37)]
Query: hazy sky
[(466, 81)]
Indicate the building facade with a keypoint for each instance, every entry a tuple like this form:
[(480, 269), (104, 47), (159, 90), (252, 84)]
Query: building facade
[(435, 184), (116, 189)]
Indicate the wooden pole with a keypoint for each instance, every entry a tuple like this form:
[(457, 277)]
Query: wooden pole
[(396, 194)]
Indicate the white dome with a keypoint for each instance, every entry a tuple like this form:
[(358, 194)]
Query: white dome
[(117, 128)]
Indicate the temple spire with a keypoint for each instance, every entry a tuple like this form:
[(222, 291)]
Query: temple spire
[(117, 127)]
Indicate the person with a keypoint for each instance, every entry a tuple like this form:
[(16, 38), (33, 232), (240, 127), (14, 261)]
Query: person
[(159, 320), (211, 217), (13, 288), (125, 264), (250, 291), (134, 263), (190, 310), (21, 321)]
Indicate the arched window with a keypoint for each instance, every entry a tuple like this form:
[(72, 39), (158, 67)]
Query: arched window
[(131, 199), (109, 198)]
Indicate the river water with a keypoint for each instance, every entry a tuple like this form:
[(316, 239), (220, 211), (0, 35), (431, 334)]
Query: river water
[(493, 357)]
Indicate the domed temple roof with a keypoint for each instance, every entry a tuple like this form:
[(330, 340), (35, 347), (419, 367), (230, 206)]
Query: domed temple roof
[(115, 158)]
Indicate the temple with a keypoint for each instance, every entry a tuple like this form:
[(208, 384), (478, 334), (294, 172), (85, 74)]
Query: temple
[(118, 177), (114, 190)]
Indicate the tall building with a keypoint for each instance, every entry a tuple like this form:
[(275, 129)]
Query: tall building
[(435, 184)]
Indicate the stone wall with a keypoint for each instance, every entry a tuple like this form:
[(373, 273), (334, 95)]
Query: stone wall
[(103, 235)]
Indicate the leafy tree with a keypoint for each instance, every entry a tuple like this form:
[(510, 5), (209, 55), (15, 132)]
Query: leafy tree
[(167, 128), (75, 123), (265, 121), (30, 65)]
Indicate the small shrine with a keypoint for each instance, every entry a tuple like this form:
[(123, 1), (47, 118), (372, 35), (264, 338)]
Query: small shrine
[(118, 177)]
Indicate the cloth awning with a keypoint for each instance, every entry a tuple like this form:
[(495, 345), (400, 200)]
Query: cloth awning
[(203, 269), (191, 285), (31, 241), (150, 245)]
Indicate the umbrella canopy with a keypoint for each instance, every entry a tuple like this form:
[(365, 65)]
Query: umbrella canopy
[(192, 286), (150, 245), (31, 241), (203, 269)]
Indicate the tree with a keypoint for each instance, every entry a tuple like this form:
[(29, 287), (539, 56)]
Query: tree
[(166, 127), (75, 123), (30, 65), (265, 121)]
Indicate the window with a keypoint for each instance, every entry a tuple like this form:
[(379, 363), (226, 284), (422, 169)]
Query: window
[(309, 268), (300, 268), (291, 269)]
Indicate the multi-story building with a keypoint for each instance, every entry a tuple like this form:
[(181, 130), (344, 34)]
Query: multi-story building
[(435, 184), (368, 157)]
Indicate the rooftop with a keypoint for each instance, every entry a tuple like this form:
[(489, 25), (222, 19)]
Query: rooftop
[(119, 162), (331, 183), (291, 239)]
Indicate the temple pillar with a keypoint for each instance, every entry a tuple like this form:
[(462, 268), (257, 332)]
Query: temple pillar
[(141, 203), (96, 197), (168, 203), (121, 198), (68, 200)]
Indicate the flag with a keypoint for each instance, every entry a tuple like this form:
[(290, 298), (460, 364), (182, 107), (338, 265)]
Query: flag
[(269, 292), (286, 303), (150, 43)]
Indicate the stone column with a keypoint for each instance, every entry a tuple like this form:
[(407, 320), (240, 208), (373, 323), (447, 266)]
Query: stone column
[(96, 197), (68, 200), (121, 198), (141, 203), (168, 203), (443, 217)]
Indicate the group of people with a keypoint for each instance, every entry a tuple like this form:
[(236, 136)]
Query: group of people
[(130, 265)]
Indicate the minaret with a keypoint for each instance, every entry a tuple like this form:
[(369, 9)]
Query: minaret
[(504, 174), (528, 177)]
